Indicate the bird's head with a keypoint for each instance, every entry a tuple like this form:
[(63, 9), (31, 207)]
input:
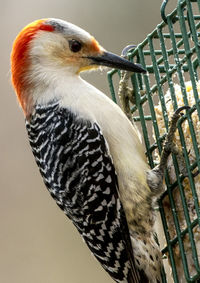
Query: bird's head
[(47, 47)]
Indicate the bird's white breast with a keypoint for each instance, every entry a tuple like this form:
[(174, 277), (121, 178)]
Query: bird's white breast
[(122, 137)]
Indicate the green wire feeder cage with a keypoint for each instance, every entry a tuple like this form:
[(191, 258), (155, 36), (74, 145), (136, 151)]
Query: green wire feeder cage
[(171, 55)]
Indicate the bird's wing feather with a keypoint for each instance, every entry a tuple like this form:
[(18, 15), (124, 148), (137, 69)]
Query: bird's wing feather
[(79, 173)]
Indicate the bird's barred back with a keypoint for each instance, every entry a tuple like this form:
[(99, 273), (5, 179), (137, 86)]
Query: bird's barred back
[(75, 164)]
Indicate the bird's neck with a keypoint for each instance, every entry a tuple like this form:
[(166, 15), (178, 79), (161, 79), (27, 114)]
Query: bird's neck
[(57, 88)]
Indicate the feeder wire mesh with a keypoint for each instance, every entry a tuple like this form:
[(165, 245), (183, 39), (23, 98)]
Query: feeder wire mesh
[(171, 56)]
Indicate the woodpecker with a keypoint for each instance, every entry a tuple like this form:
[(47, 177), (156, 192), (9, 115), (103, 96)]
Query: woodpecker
[(89, 154)]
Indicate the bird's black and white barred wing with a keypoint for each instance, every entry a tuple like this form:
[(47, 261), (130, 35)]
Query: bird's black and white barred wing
[(75, 164)]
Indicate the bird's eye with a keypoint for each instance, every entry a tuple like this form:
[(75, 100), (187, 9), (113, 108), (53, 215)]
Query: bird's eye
[(75, 45)]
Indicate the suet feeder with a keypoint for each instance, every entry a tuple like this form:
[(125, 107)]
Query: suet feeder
[(171, 56)]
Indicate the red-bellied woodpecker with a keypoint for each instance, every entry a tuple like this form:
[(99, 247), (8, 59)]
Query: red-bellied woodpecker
[(88, 152)]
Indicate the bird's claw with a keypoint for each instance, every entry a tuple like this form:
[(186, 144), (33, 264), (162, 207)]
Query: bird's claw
[(125, 93), (178, 110), (169, 147), (127, 49)]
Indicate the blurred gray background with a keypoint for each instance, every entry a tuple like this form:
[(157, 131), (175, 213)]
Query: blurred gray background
[(38, 244)]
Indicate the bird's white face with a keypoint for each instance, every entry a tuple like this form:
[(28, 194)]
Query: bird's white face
[(67, 47), (48, 51)]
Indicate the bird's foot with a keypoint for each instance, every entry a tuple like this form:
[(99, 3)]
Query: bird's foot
[(155, 176), (125, 93)]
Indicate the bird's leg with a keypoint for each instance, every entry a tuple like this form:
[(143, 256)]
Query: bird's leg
[(125, 93), (155, 176)]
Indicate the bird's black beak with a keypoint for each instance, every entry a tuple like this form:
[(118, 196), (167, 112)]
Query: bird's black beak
[(114, 61)]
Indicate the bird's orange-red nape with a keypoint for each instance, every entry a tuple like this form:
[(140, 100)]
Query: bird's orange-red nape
[(20, 59)]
